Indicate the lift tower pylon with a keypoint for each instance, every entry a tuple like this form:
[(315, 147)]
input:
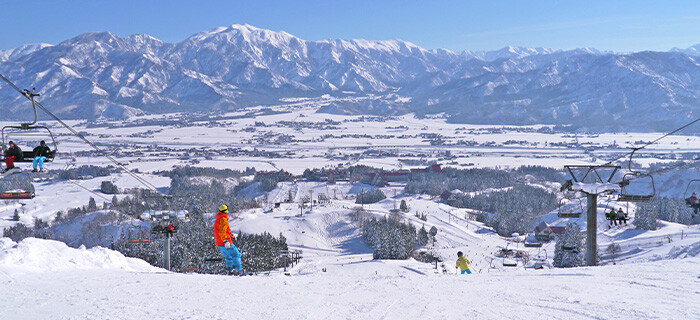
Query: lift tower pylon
[(592, 184)]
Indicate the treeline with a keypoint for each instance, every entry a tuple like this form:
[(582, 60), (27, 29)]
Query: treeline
[(266, 183), (389, 238), (662, 208), (45, 229), (84, 171), (467, 180), (207, 196), (193, 249), (510, 210), (261, 251), (190, 171), (540, 173), (371, 196)]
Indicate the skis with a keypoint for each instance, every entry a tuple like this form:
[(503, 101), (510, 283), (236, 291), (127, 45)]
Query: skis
[(251, 273)]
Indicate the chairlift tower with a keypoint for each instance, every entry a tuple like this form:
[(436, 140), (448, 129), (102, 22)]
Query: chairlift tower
[(592, 184)]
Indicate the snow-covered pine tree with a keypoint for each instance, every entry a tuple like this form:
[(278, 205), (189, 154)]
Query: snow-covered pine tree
[(422, 237), (568, 250), (17, 232), (403, 206), (613, 249), (92, 205), (108, 187), (433, 232), (646, 216)]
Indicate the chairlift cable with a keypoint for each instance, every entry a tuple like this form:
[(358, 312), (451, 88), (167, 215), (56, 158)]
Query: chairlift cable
[(652, 142), (676, 166), (88, 190), (73, 131)]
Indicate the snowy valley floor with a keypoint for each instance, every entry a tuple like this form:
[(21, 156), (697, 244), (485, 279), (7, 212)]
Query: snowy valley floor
[(362, 290)]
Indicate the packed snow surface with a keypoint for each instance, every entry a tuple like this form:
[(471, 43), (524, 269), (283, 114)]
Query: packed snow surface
[(350, 288)]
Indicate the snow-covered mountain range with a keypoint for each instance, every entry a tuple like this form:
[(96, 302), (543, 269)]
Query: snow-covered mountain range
[(102, 75)]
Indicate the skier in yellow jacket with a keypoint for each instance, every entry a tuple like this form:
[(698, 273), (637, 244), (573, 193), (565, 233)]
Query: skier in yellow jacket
[(463, 263)]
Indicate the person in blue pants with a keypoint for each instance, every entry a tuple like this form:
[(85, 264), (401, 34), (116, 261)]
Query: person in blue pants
[(40, 154), (224, 241), (463, 263)]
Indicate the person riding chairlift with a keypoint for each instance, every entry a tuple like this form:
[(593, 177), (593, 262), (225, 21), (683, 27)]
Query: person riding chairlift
[(12, 154), (613, 217), (621, 216), (40, 154), (693, 199)]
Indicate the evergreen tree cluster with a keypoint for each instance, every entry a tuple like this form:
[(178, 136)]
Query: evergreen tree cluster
[(568, 251), (20, 231), (207, 196), (421, 216), (267, 182), (662, 208), (193, 248), (540, 173), (467, 180), (107, 187), (371, 196), (389, 239), (17, 232), (646, 217), (513, 209), (190, 171), (86, 170), (262, 251)]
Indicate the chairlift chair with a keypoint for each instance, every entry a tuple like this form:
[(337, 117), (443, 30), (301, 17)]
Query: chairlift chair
[(570, 213), (541, 261), (509, 263), (569, 248), (16, 195), (135, 235), (492, 265), (695, 204), (29, 130), (626, 195), (629, 195), (539, 255), (533, 244)]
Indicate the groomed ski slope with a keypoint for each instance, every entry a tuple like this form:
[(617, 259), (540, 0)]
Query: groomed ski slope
[(42, 279), (361, 290)]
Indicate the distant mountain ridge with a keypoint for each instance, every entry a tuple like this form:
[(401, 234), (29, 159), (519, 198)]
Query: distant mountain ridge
[(102, 75)]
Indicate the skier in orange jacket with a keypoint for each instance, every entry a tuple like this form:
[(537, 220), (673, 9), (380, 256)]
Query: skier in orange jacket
[(224, 241)]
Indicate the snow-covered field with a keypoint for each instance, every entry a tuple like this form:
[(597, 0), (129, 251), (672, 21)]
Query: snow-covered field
[(75, 285), (337, 278), (301, 138), (655, 277)]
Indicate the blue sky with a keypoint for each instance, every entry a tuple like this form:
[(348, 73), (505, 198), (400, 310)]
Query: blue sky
[(618, 25)]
